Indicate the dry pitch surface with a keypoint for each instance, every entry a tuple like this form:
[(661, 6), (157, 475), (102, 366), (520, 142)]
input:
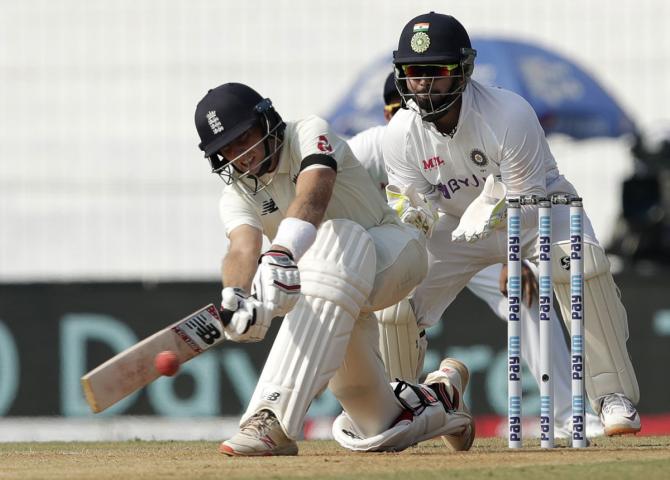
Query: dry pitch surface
[(644, 458)]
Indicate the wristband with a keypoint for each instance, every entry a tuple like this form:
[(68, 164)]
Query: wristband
[(296, 235)]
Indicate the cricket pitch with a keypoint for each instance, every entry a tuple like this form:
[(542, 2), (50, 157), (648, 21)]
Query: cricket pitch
[(645, 458)]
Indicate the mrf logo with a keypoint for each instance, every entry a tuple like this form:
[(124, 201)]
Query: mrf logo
[(324, 145), (432, 162)]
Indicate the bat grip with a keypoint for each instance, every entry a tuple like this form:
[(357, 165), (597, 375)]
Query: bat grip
[(226, 316)]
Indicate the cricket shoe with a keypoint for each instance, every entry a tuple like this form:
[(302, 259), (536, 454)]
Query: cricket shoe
[(619, 416), (593, 427), (260, 435), (449, 383)]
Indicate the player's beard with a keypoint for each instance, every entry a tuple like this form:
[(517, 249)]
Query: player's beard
[(433, 106), (430, 103)]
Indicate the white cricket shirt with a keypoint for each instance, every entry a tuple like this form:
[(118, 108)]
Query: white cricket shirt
[(497, 133), (367, 147), (354, 197)]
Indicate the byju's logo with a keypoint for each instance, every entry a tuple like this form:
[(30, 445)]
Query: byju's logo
[(452, 185)]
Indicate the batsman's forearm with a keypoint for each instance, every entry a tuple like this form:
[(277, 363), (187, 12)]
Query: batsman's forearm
[(238, 270), (240, 263), (310, 208)]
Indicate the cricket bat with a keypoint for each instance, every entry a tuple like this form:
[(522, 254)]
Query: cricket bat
[(134, 368)]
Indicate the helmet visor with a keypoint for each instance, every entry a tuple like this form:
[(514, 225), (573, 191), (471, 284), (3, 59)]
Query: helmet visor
[(231, 170), (235, 162), (417, 86), (433, 71)]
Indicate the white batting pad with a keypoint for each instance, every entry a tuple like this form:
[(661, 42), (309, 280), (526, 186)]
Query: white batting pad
[(608, 366), (337, 275), (402, 263), (399, 341)]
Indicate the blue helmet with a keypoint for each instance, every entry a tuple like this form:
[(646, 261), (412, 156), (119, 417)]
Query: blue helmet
[(434, 39), (225, 113)]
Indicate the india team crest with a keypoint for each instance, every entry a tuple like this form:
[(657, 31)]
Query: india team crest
[(479, 158), (420, 42)]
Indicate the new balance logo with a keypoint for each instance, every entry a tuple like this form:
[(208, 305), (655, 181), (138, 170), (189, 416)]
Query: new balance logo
[(351, 434), (268, 206), (207, 332), (272, 397)]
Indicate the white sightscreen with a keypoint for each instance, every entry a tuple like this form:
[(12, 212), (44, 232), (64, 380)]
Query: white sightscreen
[(100, 175)]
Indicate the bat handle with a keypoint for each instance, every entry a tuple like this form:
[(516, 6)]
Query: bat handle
[(226, 316)]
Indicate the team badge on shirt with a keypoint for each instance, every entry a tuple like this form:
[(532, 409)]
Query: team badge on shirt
[(324, 145), (479, 158)]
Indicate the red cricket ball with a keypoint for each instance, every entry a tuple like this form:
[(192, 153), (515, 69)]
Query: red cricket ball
[(167, 363)]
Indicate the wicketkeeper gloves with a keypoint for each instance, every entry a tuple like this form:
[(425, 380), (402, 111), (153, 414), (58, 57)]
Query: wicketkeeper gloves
[(412, 208), (484, 214)]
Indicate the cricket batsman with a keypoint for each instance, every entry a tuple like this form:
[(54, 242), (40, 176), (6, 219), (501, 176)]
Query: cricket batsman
[(337, 253)]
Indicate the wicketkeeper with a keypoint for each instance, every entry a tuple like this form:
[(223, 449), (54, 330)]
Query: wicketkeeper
[(464, 146), (402, 343)]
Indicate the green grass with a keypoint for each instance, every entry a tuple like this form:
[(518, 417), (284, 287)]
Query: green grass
[(646, 458)]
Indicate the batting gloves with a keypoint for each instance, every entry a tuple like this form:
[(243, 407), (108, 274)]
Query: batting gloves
[(250, 319), (277, 282)]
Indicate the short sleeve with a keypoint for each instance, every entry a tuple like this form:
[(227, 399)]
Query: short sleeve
[(235, 210), (367, 148), (524, 148), (314, 137), (401, 163)]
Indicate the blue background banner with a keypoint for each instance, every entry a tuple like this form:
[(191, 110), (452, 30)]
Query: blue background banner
[(50, 334)]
